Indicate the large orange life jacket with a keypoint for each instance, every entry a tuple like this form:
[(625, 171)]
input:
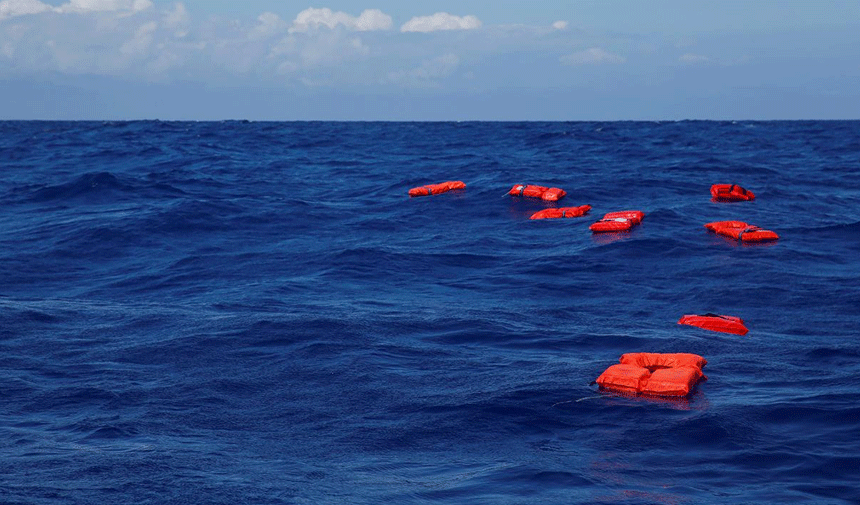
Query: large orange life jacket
[(654, 374), (435, 189), (542, 192), (561, 212), (618, 221), (741, 231), (731, 193), (715, 322)]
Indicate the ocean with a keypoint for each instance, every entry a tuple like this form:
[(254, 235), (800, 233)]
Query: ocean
[(257, 312)]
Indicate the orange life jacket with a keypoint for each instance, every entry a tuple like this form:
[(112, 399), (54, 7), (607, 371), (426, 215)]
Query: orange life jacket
[(542, 192), (654, 374), (561, 212), (741, 231), (731, 193), (715, 322), (618, 221), (435, 189)]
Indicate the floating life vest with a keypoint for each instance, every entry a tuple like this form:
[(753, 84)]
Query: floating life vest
[(731, 193), (741, 231), (544, 193), (618, 221), (654, 374), (561, 212), (716, 322), (435, 189)]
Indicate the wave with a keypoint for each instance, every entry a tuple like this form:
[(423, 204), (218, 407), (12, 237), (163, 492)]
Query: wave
[(93, 187), (839, 230), (195, 288)]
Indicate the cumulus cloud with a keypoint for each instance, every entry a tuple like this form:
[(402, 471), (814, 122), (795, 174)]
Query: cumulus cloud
[(591, 56), (373, 19), (12, 8), (313, 19), (440, 21), (269, 24), (326, 50), (104, 6), (163, 41), (693, 58)]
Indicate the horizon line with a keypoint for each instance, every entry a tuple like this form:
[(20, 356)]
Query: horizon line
[(245, 120)]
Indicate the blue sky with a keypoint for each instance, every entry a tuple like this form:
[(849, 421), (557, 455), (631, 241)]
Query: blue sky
[(421, 60)]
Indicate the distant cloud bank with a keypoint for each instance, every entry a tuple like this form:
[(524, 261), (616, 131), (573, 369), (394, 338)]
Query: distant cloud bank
[(428, 73), (693, 58), (369, 20), (592, 56), (104, 6), (440, 21), (14, 8)]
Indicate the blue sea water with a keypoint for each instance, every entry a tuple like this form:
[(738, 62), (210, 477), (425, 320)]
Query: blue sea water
[(235, 312)]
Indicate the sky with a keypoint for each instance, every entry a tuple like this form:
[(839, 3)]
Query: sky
[(553, 60)]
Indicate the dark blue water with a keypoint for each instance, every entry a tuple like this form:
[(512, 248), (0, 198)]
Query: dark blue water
[(257, 313)]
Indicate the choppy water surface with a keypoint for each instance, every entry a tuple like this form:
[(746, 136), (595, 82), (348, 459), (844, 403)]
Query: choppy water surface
[(258, 313)]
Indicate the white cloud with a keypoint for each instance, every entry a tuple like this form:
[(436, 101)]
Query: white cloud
[(331, 50), (12, 8), (150, 45), (312, 19), (326, 50), (104, 6), (317, 39), (141, 41), (269, 24), (560, 25), (287, 45), (168, 42), (593, 55), (287, 67), (358, 46), (162, 63), (317, 83), (178, 20), (440, 21), (428, 72), (178, 16), (373, 19), (693, 58)]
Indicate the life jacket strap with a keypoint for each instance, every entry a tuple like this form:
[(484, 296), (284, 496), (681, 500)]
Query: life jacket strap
[(747, 229)]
